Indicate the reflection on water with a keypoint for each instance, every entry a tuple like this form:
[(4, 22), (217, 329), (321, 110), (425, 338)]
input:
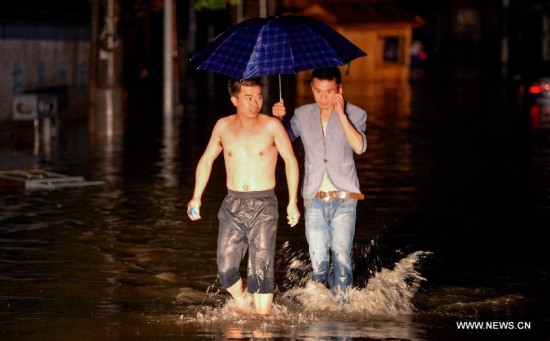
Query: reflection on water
[(290, 322), (450, 231)]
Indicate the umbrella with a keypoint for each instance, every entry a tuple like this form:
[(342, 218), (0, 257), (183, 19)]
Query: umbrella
[(275, 45)]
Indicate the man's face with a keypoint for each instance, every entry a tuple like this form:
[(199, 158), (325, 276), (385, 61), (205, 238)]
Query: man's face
[(249, 101), (324, 92)]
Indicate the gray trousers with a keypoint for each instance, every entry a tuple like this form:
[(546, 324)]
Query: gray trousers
[(248, 221)]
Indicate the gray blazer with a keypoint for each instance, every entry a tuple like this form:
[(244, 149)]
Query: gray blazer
[(334, 155)]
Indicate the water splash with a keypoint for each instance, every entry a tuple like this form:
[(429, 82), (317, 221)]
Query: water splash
[(389, 292)]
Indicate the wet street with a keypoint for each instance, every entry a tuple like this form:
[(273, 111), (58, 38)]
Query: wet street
[(452, 231)]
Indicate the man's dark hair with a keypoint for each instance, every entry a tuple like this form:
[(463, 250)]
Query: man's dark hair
[(234, 85), (327, 74)]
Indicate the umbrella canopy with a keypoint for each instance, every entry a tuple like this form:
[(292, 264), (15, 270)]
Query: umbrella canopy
[(275, 45)]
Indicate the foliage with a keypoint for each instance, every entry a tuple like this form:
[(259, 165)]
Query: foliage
[(213, 4)]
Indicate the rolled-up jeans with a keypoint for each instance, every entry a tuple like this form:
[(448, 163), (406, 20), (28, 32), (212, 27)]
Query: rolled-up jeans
[(330, 227)]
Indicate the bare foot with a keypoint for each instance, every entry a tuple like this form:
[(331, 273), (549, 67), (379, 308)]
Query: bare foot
[(242, 303)]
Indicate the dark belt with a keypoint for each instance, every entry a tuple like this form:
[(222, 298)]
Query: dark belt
[(339, 195)]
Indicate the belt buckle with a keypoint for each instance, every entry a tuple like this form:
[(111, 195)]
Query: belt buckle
[(324, 195)]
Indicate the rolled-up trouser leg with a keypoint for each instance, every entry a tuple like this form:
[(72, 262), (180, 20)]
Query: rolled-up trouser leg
[(261, 251), (232, 245)]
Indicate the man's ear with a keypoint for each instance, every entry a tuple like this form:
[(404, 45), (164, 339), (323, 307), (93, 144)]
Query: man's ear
[(234, 100)]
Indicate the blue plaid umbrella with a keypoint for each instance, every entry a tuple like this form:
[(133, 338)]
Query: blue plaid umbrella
[(275, 45)]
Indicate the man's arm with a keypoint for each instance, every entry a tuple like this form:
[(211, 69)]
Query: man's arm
[(282, 142), (354, 137), (202, 174), (279, 111)]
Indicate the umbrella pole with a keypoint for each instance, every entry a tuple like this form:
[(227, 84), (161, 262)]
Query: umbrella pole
[(280, 93)]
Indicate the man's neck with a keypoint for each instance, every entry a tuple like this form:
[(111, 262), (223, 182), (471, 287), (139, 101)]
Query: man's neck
[(327, 112), (245, 120)]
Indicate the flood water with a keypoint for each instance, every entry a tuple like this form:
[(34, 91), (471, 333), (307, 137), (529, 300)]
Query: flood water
[(456, 178)]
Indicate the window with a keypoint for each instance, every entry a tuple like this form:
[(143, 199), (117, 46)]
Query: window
[(393, 50)]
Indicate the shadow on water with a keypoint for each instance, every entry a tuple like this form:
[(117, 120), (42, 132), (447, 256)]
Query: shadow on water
[(456, 180)]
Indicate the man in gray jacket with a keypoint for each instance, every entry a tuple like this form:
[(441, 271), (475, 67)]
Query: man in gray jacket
[(331, 130)]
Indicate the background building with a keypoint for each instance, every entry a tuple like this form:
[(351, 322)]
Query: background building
[(46, 45), (381, 28)]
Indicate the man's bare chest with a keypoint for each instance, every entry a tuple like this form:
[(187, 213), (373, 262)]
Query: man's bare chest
[(247, 143)]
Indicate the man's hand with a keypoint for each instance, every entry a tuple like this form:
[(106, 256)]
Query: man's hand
[(339, 102), (293, 214), (193, 209), (279, 110)]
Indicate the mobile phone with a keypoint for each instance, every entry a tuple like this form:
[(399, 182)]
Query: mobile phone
[(193, 211)]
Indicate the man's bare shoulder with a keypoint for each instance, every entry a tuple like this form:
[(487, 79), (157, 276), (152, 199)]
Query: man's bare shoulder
[(224, 121), (276, 127), (270, 121)]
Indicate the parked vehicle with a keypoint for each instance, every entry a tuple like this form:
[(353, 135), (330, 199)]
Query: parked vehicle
[(537, 96), (539, 91)]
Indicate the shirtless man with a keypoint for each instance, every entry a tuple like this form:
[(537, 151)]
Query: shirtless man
[(248, 215)]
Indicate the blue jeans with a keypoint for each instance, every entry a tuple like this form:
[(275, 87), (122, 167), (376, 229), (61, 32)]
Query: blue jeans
[(330, 226)]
